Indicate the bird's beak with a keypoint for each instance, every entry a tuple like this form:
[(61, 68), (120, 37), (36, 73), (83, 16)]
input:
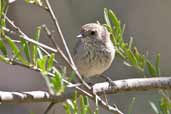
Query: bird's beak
[(79, 36)]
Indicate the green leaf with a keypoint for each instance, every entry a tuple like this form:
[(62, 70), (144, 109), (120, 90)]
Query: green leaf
[(70, 103), (75, 104), (158, 64), (84, 104), (130, 42), (25, 46), (30, 1), (50, 61), (114, 19), (37, 2), (72, 76), (33, 46), (106, 17), (15, 50), (4, 59), (112, 35), (40, 53), (97, 105), (130, 106), (165, 105), (3, 48), (154, 107), (3, 7), (123, 29), (131, 58), (2, 22), (151, 68), (42, 63), (37, 33), (57, 82), (117, 30), (67, 108)]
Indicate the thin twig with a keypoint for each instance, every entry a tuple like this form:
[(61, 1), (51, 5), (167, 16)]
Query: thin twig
[(122, 86), (127, 85), (18, 41), (72, 64), (55, 44), (24, 36)]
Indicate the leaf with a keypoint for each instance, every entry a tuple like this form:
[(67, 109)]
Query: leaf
[(83, 104), (37, 2), (2, 22), (151, 68), (130, 106), (158, 64), (40, 53), (42, 63), (30, 1), (70, 103), (131, 57), (67, 108), (130, 42), (106, 17), (15, 50), (33, 46), (37, 33), (72, 76), (3, 48), (165, 105), (97, 105), (75, 104), (123, 29), (114, 19), (57, 82), (4, 59), (50, 61), (140, 59), (25, 46), (154, 107), (117, 30), (3, 7)]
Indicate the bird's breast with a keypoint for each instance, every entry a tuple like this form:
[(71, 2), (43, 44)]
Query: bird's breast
[(94, 59)]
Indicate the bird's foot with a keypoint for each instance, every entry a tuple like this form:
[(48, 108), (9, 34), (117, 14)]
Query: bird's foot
[(110, 81)]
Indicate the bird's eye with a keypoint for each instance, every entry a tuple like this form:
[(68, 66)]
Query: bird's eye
[(93, 32)]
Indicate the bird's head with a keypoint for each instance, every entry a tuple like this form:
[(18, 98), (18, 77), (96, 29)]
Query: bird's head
[(93, 31)]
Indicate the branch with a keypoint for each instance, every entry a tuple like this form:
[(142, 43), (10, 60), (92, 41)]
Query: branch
[(136, 84), (24, 36), (127, 85)]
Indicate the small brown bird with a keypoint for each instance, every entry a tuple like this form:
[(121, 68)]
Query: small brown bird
[(94, 51)]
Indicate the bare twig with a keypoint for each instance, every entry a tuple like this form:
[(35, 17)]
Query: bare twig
[(18, 41), (24, 36), (122, 86), (72, 64), (136, 84), (55, 44)]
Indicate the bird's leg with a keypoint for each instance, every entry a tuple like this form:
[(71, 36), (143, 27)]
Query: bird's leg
[(49, 107), (88, 81), (109, 80)]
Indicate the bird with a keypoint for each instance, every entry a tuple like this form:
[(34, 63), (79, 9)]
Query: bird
[(94, 51)]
